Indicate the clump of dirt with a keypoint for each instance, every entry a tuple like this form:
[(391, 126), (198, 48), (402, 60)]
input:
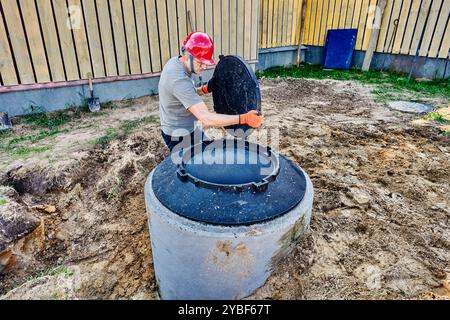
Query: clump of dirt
[(379, 227)]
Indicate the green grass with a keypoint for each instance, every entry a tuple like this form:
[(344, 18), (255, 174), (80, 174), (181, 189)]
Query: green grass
[(436, 116), (116, 189), (125, 128), (22, 152), (47, 124), (52, 271), (3, 201), (110, 135), (386, 85), (38, 118)]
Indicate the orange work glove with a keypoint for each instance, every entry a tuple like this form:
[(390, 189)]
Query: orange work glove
[(202, 90), (251, 118)]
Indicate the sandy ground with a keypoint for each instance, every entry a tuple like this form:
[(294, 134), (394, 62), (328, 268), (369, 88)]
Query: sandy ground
[(380, 226)]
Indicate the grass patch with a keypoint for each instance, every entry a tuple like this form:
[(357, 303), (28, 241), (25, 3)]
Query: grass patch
[(38, 118), (436, 116), (5, 134), (52, 271), (110, 135), (114, 192), (387, 85), (3, 201), (125, 128), (26, 151)]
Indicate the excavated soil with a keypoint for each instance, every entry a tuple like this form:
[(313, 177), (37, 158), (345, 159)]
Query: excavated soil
[(380, 224)]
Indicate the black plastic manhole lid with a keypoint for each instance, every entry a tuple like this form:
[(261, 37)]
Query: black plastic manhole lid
[(235, 90)]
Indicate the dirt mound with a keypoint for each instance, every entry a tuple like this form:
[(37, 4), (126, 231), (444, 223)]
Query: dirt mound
[(100, 224)]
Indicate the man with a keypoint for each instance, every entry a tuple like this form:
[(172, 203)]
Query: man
[(180, 105)]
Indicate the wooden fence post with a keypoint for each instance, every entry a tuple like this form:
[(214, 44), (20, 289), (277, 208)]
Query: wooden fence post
[(302, 28), (373, 38)]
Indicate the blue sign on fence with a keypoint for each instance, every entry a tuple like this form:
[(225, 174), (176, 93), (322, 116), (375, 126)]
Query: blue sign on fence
[(339, 48)]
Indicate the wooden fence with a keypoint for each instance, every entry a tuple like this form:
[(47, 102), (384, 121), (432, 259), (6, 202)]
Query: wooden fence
[(61, 40), (279, 24)]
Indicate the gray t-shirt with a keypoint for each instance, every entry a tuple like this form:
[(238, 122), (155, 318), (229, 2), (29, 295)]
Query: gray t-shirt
[(176, 95)]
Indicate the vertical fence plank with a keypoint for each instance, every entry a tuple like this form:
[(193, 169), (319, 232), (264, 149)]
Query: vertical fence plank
[(255, 18), (273, 31), (323, 23), (106, 37), (386, 24), (209, 18), (312, 22), (130, 32), (173, 32), (269, 23), (18, 41), (141, 26), (81, 44), (200, 14), (330, 14), (119, 37), (439, 30), (409, 28), (153, 35), (445, 47), (350, 13), (263, 30), (431, 24), (233, 24), (343, 14), (94, 38), (395, 14), (369, 23), (318, 11), (225, 27), (190, 6), (289, 17), (401, 26), (217, 25), (295, 21), (51, 40), (7, 69), (240, 27), (362, 24), (66, 41), (247, 29), (280, 22), (182, 29), (336, 14), (163, 31), (260, 23), (31, 24), (424, 8)]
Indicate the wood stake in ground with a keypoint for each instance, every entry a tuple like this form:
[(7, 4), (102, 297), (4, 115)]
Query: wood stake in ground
[(374, 36)]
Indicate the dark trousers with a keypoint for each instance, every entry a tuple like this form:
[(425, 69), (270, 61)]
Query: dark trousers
[(171, 141)]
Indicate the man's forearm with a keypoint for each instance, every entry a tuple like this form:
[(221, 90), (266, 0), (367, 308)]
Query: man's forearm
[(220, 120)]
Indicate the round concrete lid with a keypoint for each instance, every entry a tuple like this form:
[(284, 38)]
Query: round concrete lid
[(410, 107), (240, 191)]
